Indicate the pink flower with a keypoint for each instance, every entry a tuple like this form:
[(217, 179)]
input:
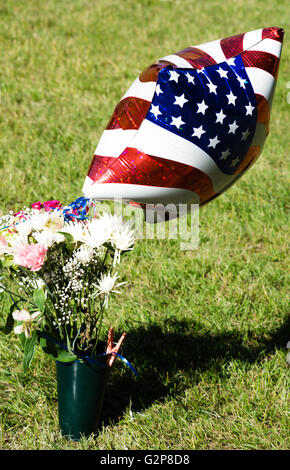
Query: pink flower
[(31, 256), (37, 205), (3, 245), (48, 205), (3, 240)]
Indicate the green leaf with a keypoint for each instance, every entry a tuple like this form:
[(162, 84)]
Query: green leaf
[(65, 356), (7, 263), (22, 339), (70, 243), (29, 349), (68, 345), (39, 299), (54, 351)]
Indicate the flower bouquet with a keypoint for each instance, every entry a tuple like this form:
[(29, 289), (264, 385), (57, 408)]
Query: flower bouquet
[(58, 266)]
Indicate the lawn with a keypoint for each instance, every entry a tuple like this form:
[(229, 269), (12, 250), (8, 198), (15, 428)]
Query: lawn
[(206, 329)]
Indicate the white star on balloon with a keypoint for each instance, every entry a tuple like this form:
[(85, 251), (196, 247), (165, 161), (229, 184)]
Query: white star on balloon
[(225, 154), (231, 61), (177, 121), (223, 73), (155, 110), (190, 78), (198, 131), (173, 76), (220, 116), (202, 107), (212, 88), (213, 142), (242, 82), (231, 98), (180, 100), (233, 127), (249, 109), (158, 90)]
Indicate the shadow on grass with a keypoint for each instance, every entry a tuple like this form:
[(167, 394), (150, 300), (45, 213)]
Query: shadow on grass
[(169, 359)]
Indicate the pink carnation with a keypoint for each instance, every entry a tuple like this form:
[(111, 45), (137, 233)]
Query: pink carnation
[(3, 245), (31, 256), (36, 205), (48, 205)]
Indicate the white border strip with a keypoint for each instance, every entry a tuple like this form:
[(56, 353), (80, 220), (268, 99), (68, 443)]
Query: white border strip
[(251, 38), (114, 141), (178, 61), (263, 82), (143, 90), (268, 45), (138, 193), (213, 49)]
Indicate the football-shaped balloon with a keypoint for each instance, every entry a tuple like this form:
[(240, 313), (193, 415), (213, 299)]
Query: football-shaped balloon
[(191, 124)]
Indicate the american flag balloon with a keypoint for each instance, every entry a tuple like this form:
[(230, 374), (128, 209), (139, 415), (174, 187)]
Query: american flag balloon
[(191, 124)]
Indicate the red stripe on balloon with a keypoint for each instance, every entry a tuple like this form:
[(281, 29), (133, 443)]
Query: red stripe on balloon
[(263, 111), (99, 165), (262, 60), (135, 167), (150, 74), (129, 113), (196, 57), (232, 46), (273, 33)]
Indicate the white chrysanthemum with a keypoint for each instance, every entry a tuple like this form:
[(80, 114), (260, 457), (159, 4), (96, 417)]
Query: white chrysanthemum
[(122, 240), (16, 241), (77, 230), (24, 228), (99, 232), (48, 237), (106, 285), (112, 222)]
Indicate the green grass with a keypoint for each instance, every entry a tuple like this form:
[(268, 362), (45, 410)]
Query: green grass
[(207, 329)]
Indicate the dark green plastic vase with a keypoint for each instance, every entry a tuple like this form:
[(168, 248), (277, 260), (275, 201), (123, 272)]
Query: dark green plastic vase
[(80, 388)]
